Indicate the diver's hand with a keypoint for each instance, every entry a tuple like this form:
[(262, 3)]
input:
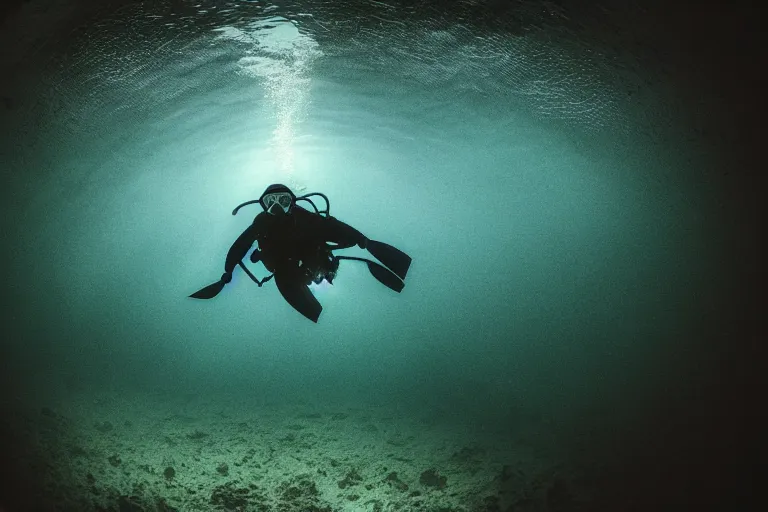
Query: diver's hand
[(226, 277), (363, 243)]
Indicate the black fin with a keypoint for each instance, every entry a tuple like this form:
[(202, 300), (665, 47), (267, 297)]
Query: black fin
[(393, 258), (386, 277), (380, 272), (209, 291)]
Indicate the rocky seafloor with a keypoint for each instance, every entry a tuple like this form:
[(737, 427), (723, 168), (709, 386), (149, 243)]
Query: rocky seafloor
[(115, 454)]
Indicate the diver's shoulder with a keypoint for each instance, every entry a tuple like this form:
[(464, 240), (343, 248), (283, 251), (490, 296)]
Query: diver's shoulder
[(260, 219), (300, 211)]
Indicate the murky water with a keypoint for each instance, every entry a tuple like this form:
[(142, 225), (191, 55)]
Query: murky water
[(559, 191)]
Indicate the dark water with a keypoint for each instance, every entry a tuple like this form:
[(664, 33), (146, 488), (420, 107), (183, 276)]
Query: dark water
[(576, 186)]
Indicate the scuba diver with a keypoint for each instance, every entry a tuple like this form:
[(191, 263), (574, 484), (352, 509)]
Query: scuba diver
[(296, 246)]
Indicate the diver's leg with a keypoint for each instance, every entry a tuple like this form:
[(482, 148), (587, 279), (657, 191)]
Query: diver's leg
[(292, 283), (347, 236), (343, 234)]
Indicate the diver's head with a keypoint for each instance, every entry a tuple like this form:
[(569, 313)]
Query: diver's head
[(277, 200)]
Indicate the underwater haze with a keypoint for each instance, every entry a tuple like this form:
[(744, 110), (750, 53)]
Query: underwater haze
[(574, 182)]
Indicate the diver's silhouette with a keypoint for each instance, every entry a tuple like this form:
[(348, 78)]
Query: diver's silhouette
[(297, 246)]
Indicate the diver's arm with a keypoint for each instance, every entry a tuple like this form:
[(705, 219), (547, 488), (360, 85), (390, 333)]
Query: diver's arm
[(234, 257), (240, 248)]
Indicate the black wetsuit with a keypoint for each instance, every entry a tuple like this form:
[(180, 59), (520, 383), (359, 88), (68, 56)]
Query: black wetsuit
[(294, 247)]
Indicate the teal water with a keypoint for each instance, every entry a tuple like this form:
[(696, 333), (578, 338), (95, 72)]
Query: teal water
[(570, 327)]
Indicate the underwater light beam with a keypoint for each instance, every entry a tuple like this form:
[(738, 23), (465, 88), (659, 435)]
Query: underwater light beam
[(281, 57)]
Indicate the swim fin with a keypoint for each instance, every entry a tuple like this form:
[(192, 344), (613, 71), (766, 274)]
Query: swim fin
[(393, 258), (386, 277), (380, 272), (209, 291)]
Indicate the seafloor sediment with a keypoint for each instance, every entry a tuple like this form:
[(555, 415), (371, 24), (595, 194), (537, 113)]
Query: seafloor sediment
[(143, 453)]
